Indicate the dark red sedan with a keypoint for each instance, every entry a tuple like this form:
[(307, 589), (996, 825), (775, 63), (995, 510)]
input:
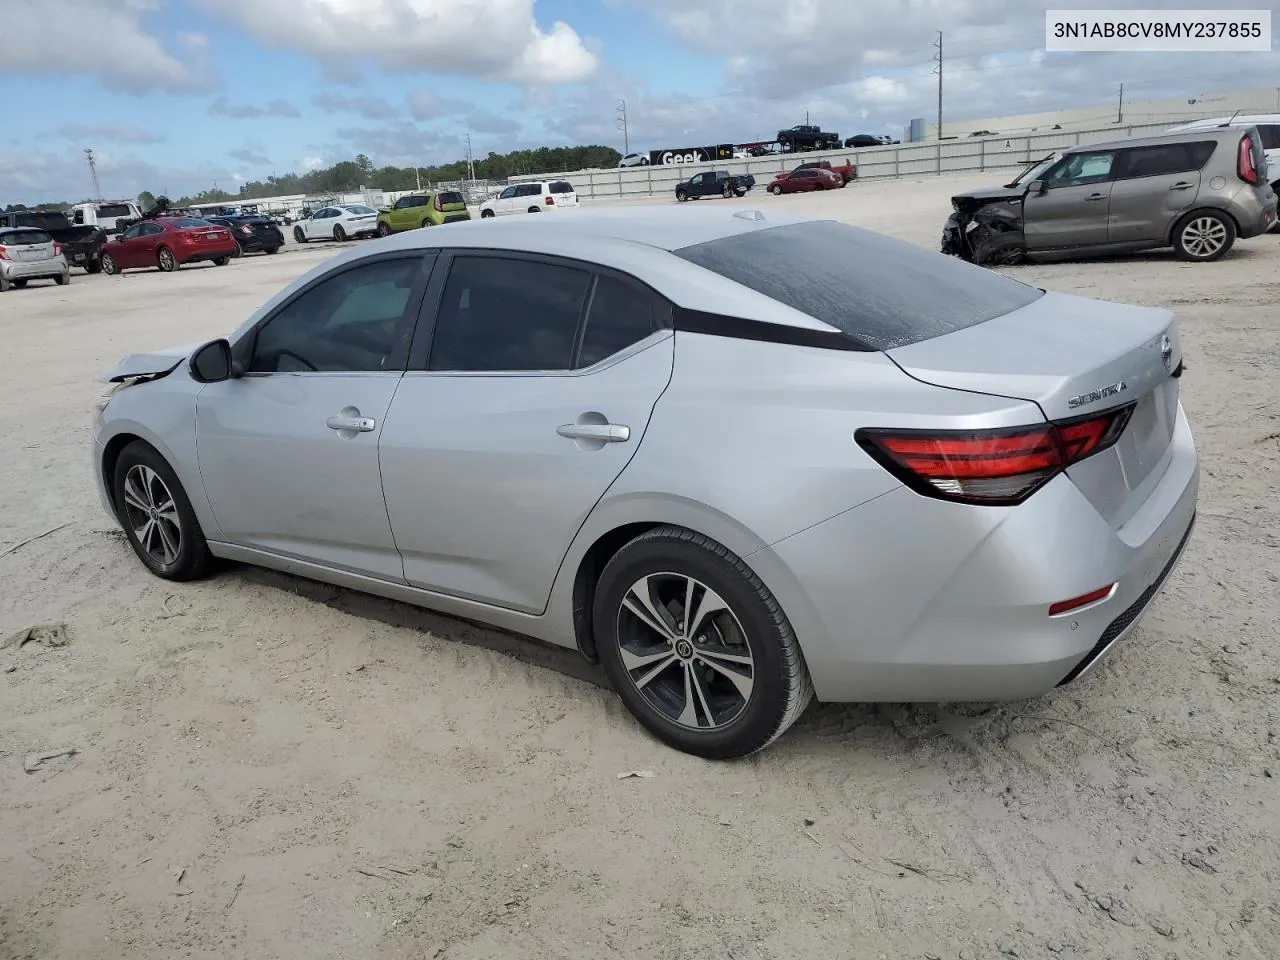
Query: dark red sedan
[(167, 243), (806, 178)]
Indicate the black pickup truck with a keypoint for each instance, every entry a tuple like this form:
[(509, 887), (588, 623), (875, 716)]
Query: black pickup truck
[(807, 136), (715, 183), (81, 245)]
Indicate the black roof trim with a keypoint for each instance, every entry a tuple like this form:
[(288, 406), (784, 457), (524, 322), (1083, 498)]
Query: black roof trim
[(719, 325)]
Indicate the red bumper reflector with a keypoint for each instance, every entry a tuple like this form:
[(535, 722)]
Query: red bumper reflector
[(1075, 603)]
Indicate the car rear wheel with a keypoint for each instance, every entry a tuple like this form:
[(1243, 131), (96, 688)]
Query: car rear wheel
[(384, 230), (165, 260), (5, 283), (697, 647), (107, 264), (775, 190), (1203, 235), (426, 222), (222, 261), (535, 209), (93, 266), (298, 235), (339, 234), (19, 284), (271, 251), (727, 192), (157, 516), (239, 251), (63, 279)]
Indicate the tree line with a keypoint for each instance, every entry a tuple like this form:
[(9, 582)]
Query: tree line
[(347, 176)]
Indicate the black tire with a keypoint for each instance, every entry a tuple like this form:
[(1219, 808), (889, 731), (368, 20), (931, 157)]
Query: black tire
[(776, 190), (165, 260), (107, 264), (727, 192), (681, 196), (63, 279), (299, 236), (221, 261), (384, 230), (426, 222), (19, 284), (239, 251), (535, 209), (740, 192), (486, 214), (5, 283), (93, 266), (192, 559), (1203, 236), (780, 688), (339, 234), (272, 251)]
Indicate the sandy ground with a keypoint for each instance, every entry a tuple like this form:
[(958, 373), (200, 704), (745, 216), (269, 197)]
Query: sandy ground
[(269, 768)]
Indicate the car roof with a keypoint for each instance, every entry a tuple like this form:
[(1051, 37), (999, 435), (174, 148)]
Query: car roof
[(1188, 136), (1245, 120)]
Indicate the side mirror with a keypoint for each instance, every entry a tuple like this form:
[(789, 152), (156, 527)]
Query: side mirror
[(212, 362), (1036, 187)]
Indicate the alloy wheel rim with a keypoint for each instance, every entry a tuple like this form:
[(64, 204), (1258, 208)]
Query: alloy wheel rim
[(166, 259), (685, 651), (152, 514), (108, 264), (1204, 236)]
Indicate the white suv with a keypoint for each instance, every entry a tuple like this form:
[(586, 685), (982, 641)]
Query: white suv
[(535, 196)]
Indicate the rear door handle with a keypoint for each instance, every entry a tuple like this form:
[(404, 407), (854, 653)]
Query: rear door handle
[(354, 424), (1096, 196), (1182, 185), (605, 432)]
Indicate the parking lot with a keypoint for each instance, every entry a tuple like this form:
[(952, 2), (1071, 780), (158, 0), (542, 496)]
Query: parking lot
[(270, 768)]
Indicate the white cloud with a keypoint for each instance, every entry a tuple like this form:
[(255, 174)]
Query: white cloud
[(222, 107), (108, 133), (32, 177), (103, 40), (491, 39), (425, 105)]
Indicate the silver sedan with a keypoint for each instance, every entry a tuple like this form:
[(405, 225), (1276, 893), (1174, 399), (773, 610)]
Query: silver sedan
[(740, 459)]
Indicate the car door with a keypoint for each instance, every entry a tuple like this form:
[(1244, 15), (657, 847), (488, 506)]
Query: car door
[(506, 199), (695, 184), (124, 249), (532, 396), (318, 223), (288, 452), (1072, 209), (1153, 187)]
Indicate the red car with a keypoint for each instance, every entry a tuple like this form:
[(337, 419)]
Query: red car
[(168, 243), (805, 178)]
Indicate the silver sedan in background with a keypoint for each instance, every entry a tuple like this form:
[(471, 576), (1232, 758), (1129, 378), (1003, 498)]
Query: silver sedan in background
[(740, 459)]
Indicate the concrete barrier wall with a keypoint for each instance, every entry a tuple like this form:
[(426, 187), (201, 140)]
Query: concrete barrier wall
[(969, 155)]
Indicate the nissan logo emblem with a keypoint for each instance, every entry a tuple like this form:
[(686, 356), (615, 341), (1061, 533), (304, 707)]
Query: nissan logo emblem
[(1166, 352)]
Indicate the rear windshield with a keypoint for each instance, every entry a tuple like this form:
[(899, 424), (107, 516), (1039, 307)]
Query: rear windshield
[(561, 186), (44, 221), (183, 222), (450, 196), (18, 237), (881, 291), (114, 210), (358, 209)]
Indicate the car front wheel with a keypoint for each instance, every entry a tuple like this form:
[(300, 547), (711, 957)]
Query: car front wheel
[(298, 235), (384, 230), (776, 190), (697, 647), (157, 516)]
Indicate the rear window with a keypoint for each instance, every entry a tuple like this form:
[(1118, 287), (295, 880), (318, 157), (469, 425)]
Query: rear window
[(42, 221), (18, 237), (114, 210), (358, 209), (451, 196), (561, 186), (881, 291), (183, 222), (1270, 135)]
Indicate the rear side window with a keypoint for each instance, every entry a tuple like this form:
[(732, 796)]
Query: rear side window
[(507, 314), (450, 196), (882, 292), (562, 186), (621, 313), (1270, 133), (1164, 159), (16, 238)]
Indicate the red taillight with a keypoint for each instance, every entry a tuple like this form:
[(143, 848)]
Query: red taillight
[(247, 231), (1245, 167), (4, 253), (993, 467), (438, 205), (1075, 603), (57, 248), (551, 201)]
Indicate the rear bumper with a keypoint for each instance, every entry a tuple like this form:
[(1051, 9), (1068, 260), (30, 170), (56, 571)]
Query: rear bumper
[(34, 269), (950, 603), (258, 242), (200, 254)]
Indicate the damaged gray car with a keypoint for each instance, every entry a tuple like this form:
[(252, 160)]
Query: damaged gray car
[(1196, 192)]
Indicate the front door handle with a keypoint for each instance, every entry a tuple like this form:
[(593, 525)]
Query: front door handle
[(354, 424), (1182, 185), (604, 432), (1096, 196)]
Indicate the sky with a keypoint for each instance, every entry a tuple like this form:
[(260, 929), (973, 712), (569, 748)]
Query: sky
[(177, 96)]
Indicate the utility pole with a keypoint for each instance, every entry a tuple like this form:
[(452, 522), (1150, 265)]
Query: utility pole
[(471, 165), (806, 118), (622, 125), (1120, 107), (938, 43), (93, 172), (417, 175)]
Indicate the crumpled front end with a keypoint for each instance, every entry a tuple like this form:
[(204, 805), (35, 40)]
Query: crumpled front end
[(986, 233)]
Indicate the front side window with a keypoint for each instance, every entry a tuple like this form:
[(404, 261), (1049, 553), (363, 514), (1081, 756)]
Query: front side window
[(133, 232), (357, 320), (507, 314), (507, 194), (1081, 168)]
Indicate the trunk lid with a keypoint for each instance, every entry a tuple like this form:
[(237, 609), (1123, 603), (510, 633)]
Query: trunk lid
[(1074, 357)]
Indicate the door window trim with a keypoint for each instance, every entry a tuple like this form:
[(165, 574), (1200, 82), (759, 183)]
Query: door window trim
[(429, 313), (429, 257)]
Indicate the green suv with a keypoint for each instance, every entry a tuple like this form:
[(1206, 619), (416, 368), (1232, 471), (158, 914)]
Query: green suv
[(423, 210)]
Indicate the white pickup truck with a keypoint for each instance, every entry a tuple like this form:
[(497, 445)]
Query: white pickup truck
[(107, 215)]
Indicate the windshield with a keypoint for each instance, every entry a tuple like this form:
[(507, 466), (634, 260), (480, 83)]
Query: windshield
[(1034, 171), (357, 208), (882, 292)]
